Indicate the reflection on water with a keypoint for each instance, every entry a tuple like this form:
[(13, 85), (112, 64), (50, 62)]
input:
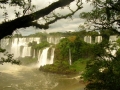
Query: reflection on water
[(14, 77)]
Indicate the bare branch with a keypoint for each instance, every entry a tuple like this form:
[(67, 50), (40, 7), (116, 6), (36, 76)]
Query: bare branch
[(7, 28)]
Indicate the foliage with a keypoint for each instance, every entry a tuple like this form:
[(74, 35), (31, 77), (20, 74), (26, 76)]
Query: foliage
[(104, 15), (43, 36), (118, 42), (41, 45), (26, 16), (78, 48), (17, 35), (64, 48), (58, 67), (32, 44), (8, 58), (64, 67), (79, 65), (102, 72)]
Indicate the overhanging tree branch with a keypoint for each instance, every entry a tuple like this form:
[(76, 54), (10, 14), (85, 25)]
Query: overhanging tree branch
[(7, 28)]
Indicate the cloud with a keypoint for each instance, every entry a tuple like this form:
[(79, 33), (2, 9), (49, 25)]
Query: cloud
[(59, 26)]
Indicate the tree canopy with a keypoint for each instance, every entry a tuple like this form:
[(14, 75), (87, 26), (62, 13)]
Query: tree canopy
[(26, 20), (102, 72), (104, 15)]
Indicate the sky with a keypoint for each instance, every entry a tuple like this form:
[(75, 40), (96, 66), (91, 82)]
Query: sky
[(62, 25)]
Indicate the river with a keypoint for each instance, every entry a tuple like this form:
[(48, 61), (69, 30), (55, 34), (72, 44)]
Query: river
[(18, 77)]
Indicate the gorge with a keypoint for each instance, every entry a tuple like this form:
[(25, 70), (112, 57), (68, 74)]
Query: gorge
[(19, 47), (57, 54)]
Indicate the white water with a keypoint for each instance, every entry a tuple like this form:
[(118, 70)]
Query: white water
[(34, 53), (39, 54), (26, 51), (53, 40), (19, 46), (88, 39), (51, 57), (98, 39), (113, 38), (70, 61), (43, 60)]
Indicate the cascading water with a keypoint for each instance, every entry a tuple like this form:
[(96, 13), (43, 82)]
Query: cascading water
[(20, 48), (51, 57), (88, 39), (113, 38), (53, 40), (34, 53), (15, 47), (43, 58), (39, 54), (4, 43), (26, 51), (98, 39), (70, 61)]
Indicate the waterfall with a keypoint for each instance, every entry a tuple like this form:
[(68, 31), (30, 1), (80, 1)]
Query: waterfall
[(34, 53), (113, 38), (51, 57), (88, 39), (98, 39), (4, 43), (26, 51), (19, 46), (70, 62), (43, 60), (16, 51), (39, 54), (53, 40), (34, 39), (15, 47)]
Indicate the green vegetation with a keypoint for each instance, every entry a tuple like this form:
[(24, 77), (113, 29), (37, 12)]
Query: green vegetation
[(81, 53), (8, 58), (28, 60), (79, 65), (65, 68), (41, 45), (17, 35), (102, 72), (43, 36)]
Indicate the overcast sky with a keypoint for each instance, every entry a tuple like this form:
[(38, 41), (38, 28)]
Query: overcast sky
[(59, 26)]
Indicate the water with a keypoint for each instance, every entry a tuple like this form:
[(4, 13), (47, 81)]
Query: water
[(14, 77), (43, 57)]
